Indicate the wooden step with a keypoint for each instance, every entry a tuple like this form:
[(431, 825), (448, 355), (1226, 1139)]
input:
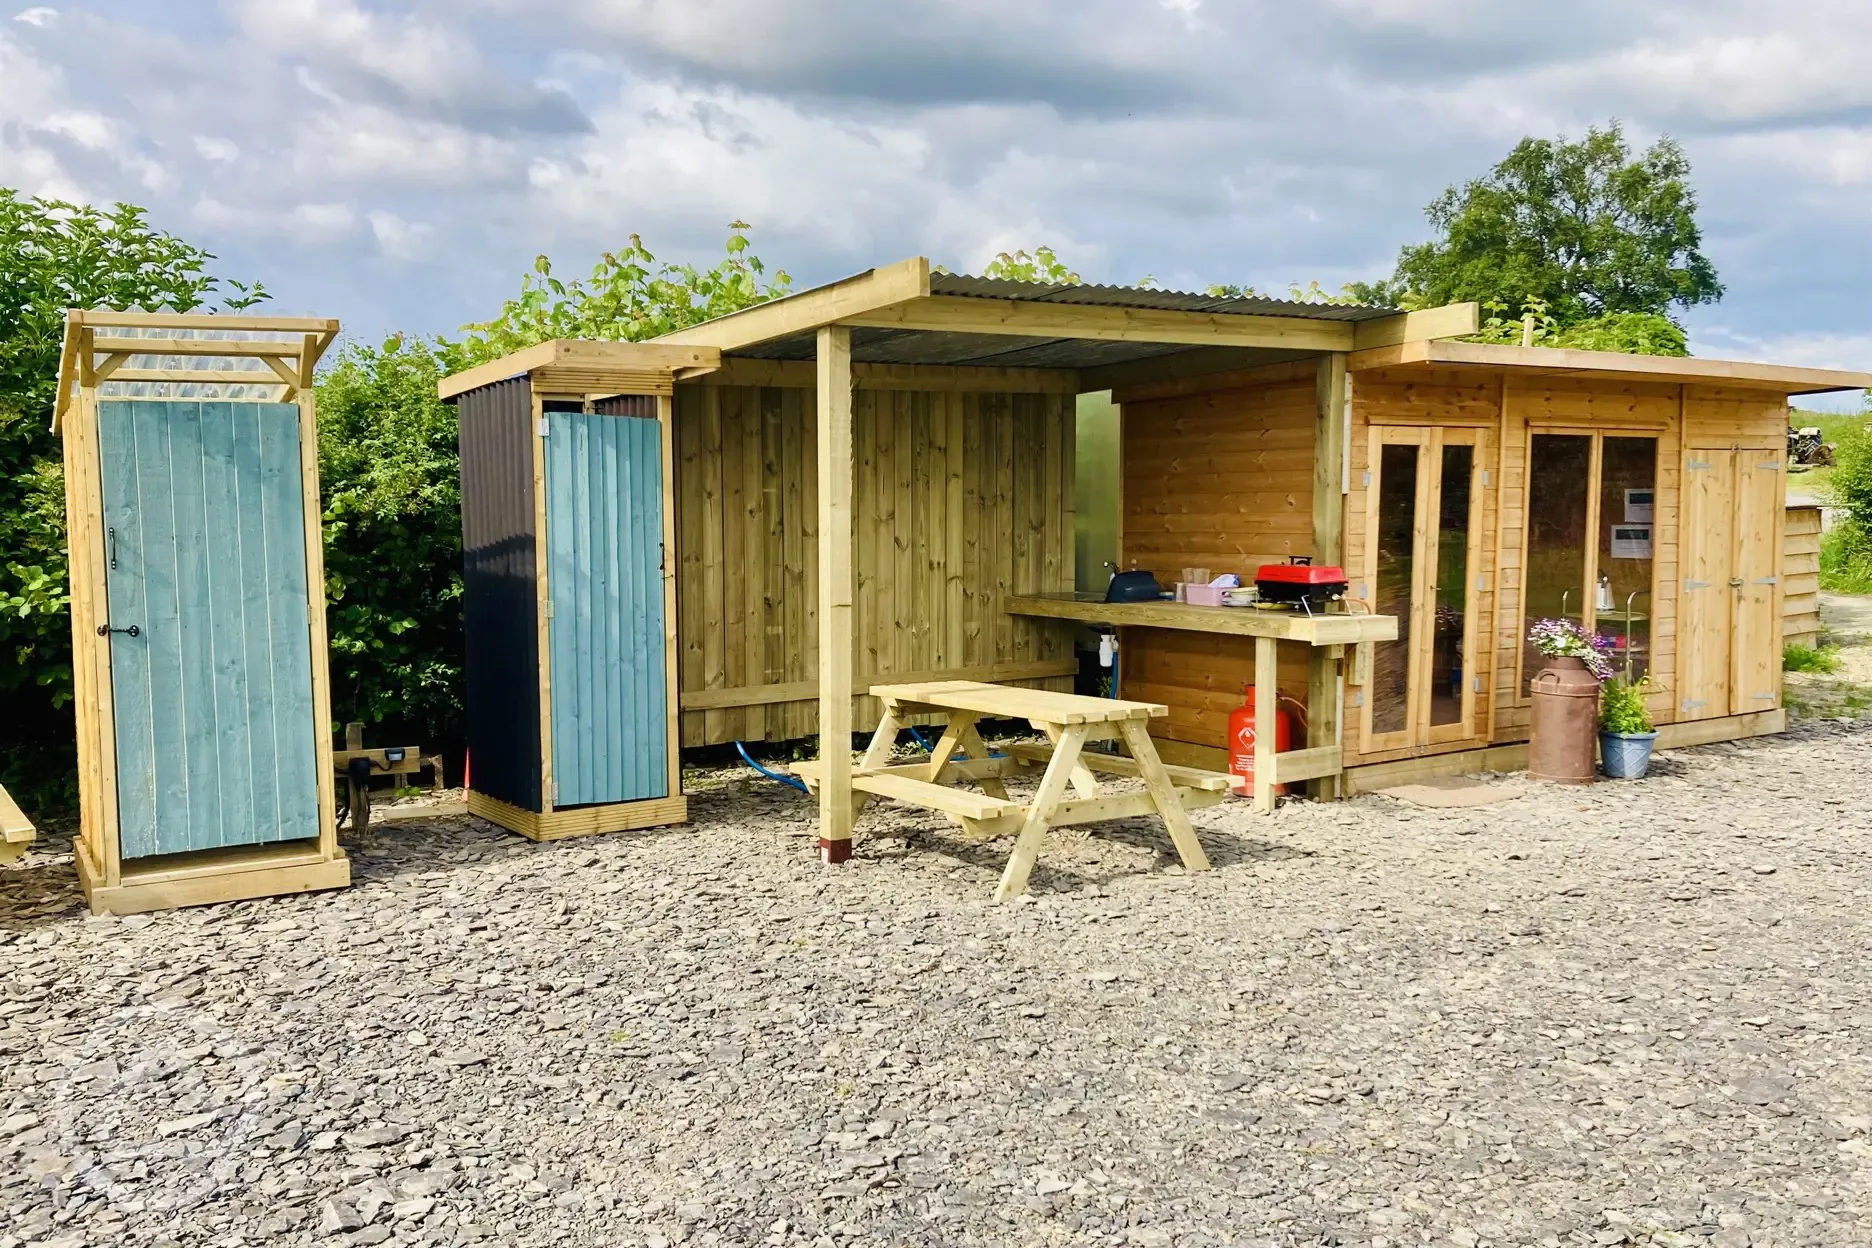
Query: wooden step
[(1119, 765), (957, 802)]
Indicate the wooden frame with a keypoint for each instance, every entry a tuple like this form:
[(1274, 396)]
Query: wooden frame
[(205, 876), (1611, 366)]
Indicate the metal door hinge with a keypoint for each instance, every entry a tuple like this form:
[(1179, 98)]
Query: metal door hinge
[(1692, 705), (1485, 478), (1478, 684), (1699, 465), (1358, 699), (1774, 467), (1481, 583), (1767, 580), (1366, 478), (1690, 585), (546, 608), (539, 426), (1762, 697), (1361, 591), (552, 792)]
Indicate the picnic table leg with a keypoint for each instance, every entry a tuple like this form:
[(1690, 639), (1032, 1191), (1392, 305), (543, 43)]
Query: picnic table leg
[(1033, 830), (1164, 794), (960, 722), (972, 742), (1084, 783), (877, 754)]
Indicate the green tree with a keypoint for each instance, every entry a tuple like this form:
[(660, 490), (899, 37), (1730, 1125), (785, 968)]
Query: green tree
[(390, 477), (1632, 333), (1040, 265), (54, 256), (629, 297), (1585, 227)]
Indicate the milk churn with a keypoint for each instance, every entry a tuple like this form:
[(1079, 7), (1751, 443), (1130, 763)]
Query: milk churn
[(1566, 716)]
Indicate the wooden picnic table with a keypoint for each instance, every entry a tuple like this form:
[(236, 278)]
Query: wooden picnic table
[(1069, 722)]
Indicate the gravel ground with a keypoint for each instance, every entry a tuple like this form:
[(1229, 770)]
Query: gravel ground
[(1635, 1013)]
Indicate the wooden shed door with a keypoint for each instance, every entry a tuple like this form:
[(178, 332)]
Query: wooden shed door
[(604, 548), (1730, 630), (205, 557), (1423, 551)]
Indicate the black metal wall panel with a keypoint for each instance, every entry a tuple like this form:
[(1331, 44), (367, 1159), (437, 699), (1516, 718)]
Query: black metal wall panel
[(499, 589)]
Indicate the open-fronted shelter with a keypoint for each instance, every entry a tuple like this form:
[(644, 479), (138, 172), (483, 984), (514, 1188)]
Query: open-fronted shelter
[(872, 482)]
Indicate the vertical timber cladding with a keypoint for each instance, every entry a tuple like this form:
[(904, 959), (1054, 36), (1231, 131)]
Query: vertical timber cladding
[(499, 586), (1221, 480), (604, 542), (959, 499)]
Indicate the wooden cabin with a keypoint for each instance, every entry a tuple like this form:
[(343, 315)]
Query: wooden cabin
[(874, 481)]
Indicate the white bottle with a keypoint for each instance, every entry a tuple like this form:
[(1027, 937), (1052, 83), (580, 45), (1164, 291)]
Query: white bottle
[(1605, 593)]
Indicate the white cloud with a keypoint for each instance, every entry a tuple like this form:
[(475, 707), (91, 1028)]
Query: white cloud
[(221, 151), (38, 15), (399, 239)]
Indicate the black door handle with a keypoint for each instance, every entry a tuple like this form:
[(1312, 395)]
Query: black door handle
[(105, 630), (111, 535)]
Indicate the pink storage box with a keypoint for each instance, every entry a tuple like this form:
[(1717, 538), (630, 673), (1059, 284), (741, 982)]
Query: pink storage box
[(1204, 595)]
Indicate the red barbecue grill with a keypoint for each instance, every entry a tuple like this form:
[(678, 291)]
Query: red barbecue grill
[(1300, 583)]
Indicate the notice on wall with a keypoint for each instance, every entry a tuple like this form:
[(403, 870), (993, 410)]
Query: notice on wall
[(1638, 504), (1631, 541)]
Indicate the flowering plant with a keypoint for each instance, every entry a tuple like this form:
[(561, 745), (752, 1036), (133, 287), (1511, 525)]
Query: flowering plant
[(1563, 639)]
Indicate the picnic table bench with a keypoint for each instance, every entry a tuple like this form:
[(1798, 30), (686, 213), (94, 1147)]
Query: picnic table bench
[(1069, 722)]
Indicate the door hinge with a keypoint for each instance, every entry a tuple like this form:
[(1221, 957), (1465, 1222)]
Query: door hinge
[(1358, 699), (539, 426), (1767, 580), (546, 608), (1478, 684), (1762, 697), (1365, 478), (1692, 705), (1699, 465), (1361, 591), (1485, 478), (1481, 583), (552, 792), (1770, 467), (1690, 585)]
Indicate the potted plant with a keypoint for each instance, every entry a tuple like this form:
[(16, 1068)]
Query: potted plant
[(1626, 733)]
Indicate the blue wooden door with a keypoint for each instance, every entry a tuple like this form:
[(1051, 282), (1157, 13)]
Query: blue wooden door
[(205, 558), (604, 544)]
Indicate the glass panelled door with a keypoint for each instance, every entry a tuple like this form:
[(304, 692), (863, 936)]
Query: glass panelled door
[(1422, 553)]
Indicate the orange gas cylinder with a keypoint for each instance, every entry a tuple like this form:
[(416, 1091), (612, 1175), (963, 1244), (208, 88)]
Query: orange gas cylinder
[(1241, 736)]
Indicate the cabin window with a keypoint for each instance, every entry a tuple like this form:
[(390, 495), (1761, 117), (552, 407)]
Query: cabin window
[(1396, 579), (1590, 502)]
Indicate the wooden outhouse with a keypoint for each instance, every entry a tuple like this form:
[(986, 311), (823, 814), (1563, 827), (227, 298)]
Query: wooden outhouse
[(569, 596), (198, 608), (873, 481)]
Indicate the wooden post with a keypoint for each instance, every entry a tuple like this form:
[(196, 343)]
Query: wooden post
[(834, 391), (1331, 415), (1267, 672)]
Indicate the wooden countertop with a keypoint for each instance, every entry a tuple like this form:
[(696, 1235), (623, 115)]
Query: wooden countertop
[(1313, 630)]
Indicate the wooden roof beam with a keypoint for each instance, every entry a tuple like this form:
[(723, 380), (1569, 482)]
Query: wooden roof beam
[(195, 346), (1450, 321), (1565, 362), (964, 314), (104, 318), (810, 309), (658, 355)]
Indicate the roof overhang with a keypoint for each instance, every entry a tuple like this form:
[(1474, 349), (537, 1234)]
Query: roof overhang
[(287, 347), (1611, 365), (905, 314), (577, 367)]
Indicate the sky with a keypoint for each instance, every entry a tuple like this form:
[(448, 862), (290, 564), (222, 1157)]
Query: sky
[(399, 165)]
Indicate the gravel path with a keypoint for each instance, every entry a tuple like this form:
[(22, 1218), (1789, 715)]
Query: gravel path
[(1633, 1013)]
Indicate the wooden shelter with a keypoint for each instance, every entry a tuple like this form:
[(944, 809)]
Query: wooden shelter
[(873, 482), (198, 607)]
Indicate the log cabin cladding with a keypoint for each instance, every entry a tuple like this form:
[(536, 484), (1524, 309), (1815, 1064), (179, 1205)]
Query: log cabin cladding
[(1220, 480), (1223, 479), (959, 498)]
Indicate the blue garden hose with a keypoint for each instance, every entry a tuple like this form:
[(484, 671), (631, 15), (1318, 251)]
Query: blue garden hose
[(792, 782), (918, 734)]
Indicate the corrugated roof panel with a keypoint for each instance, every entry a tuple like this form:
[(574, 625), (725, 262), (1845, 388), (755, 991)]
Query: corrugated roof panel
[(1146, 297)]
